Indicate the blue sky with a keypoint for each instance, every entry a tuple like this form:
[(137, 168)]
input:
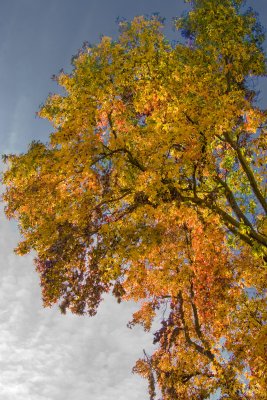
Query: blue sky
[(44, 355)]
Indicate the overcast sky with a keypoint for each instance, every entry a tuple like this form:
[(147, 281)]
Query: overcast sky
[(44, 355)]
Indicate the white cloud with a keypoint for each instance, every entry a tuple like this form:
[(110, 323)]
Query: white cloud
[(47, 356)]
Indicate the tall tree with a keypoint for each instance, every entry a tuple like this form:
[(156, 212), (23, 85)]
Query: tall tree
[(152, 187)]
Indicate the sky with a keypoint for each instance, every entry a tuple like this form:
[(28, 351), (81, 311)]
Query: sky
[(43, 354)]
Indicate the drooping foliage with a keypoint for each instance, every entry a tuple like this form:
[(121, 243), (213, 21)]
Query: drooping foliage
[(152, 186)]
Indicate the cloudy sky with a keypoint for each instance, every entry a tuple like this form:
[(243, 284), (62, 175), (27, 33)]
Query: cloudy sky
[(44, 355)]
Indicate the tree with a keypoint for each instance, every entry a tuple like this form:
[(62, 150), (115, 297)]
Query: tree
[(152, 187)]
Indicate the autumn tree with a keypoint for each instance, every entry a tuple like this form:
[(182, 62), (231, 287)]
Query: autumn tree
[(152, 187)]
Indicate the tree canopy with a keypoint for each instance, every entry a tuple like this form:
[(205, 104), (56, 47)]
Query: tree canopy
[(152, 187)]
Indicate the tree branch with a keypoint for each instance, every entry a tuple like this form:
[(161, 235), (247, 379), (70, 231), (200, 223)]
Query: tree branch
[(189, 341), (233, 203), (131, 158), (228, 220), (247, 171)]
